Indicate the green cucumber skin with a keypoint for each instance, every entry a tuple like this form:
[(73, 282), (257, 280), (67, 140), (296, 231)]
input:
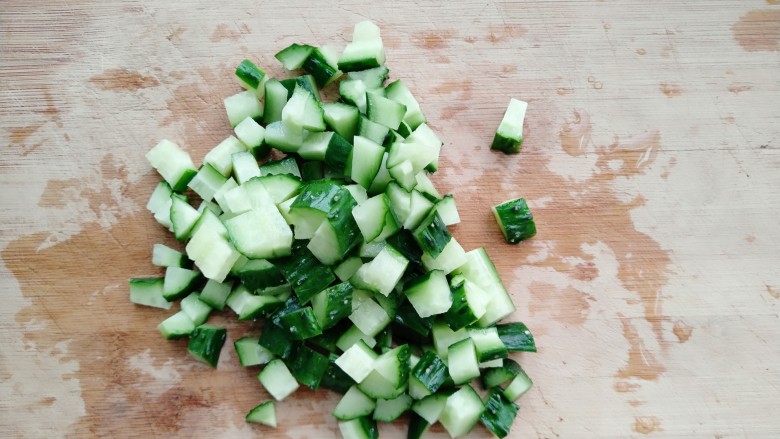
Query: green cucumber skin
[(431, 371), (206, 343), (337, 154), (417, 427), (248, 72), (414, 326), (259, 278), (308, 367), (301, 324), (305, 273), (305, 81), (311, 171), (506, 144), (516, 221), (277, 340), (499, 414), (432, 235), (334, 378), (339, 304), (516, 337), (460, 314), (404, 242), (317, 66), (496, 376), (294, 49)]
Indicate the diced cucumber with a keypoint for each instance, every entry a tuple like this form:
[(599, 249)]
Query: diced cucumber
[(499, 414), (359, 428), (375, 218), (430, 372), (419, 208), (252, 134), (368, 315), (382, 273), (283, 137), (431, 407), (357, 361), (354, 404), (518, 386), (462, 411), (418, 427), (426, 187), (429, 294), (220, 157), (451, 257), (320, 64), (496, 376), (249, 306), (373, 78), (372, 131), (161, 196), (342, 118), (179, 282), (488, 344), (382, 178), (283, 166), (463, 362), (300, 323), (197, 310), (447, 210), (305, 273), (293, 56), (509, 135), (242, 105), (277, 340), (443, 337), (306, 82), (176, 326), (275, 100), (370, 250), (264, 414), (173, 164), (516, 337), (515, 220), (164, 256), (468, 303), (409, 324), (335, 379), (260, 233), (183, 216), (384, 111), (388, 410), (303, 111), (277, 380), (332, 304), (207, 182), (308, 367), (206, 343), (352, 336), (251, 353), (337, 152), (245, 166), (364, 161), (347, 268), (479, 269), (215, 293), (251, 77), (366, 49), (398, 92)]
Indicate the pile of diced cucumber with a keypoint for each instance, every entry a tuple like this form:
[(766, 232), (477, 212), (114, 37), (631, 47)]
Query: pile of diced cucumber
[(340, 253)]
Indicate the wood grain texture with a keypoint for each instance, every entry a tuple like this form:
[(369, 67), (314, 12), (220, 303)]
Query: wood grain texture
[(651, 164)]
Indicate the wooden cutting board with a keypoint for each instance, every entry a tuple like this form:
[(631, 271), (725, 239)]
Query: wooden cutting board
[(651, 164)]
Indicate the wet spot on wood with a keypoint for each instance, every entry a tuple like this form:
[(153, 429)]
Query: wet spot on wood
[(729, 119), (758, 30), (441, 60), (231, 31), (120, 80), (432, 40), (564, 91), (642, 363), (499, 34), (19, 138), (47, 401), (773, 291), (575, 134), (471, 39), (175, 34), (568, 305), (750, 238), (739, 88), (508, 68), (586, 271), (625, 386), (641, 51), (682, 331), (647, 424), (671, 89), (773, 2)]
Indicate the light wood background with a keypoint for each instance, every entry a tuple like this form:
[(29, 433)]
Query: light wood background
[(651, 163)]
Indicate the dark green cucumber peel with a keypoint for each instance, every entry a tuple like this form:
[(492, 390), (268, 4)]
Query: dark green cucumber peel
[(515, 220), (206, 343), (516, 337), (499, 414)]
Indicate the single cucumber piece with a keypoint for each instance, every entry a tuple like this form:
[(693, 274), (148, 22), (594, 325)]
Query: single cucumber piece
[(221, 193), (431, 407), (250, 352), (347, 268), (301, 323), (359, 428), (388, 410), (426, 187), (352, 336), (383, 273), (499, 414), (164, 256), (242, 105), (215, 293), (332, 304), (382, 178), (411, 325), (400, 201), (293, 56), (496, 376), (462, 411), (337, 153), (220, 157), (251, 77), (357, 361), (206, 343), (283, 137), (518, 386), (354, 404), (373, 78), (432, 235), (172, 163), (447, 210), (207, 182), (390, 376), (176, 326), (303, 111), (280, 187), (277, 380), (252, 134), (260, 233), (258, 274), (479, 269), (305, 273), (509, 135), (375, 218), (451, 257), (342, 118), (419, 208), (277, 340), (249, 306), (160, 198), (211, 252), (308, 367), (425, 135), (516, 337), (280, 167), (398, 92), (264, 414), (468, 304), (384, 111), (370, 250), (444, 337), (366, 49), (275, 100), (515, 220), (319, 66), (368, 315), (429, 294), (372, 131), (245, 166), (183, 216), (179, 282), (364, 161), (197, 310), (304, 81), (463, 362), (488, 344), (431, 373), (311, 171)]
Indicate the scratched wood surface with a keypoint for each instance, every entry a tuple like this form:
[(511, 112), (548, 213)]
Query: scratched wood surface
[(651, 163)]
